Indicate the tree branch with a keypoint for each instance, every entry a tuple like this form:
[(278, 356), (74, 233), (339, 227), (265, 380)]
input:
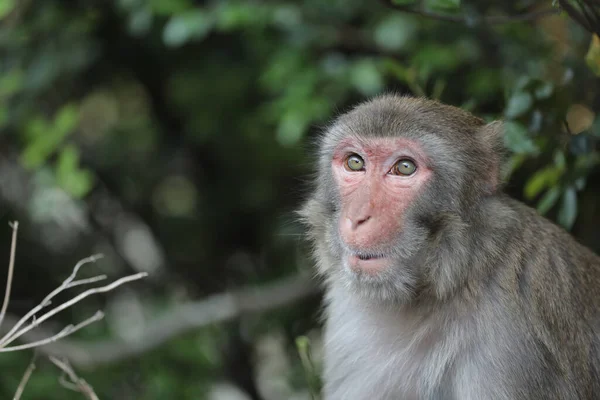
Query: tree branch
[(11, 268), (25, 378), (14, 334), (179, 320), (461, 19), (75, 382)]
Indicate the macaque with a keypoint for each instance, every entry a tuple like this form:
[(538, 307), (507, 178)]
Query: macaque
[(439, 286)]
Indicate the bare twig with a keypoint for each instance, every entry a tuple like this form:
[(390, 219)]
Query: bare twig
[(67, 283), (181, 319), (25, 378), (14, 335), (68, 330), (76, 383), (11, 267), (494, 20)]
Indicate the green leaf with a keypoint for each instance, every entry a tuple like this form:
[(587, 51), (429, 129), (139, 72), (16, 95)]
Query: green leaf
[(544, 90), (4, 117), (182, 28), (292, 127), (403, 2), (560, 160), (568, 210), (592, 57), (366, 78), (169, 7), (517, 140), (518, 104), (312, 376), (395, 32), (443, 4), (548, 200), (6, 6), (66, 119), (11, 82), (69, 177), (540, 180)]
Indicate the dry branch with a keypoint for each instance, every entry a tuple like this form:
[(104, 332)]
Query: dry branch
[(11, 268), (75, 382), (179, 320), (25, 378)]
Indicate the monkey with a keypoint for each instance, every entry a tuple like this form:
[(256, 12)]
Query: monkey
[(438, 285)]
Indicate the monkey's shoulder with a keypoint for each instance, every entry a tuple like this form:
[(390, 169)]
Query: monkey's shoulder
[(544, 239)]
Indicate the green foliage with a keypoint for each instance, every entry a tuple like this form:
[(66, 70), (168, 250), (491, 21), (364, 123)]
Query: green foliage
[(191, 25), (6, 6), (197, 119), (312, 374), (44, 137), (443, 4), (75, 181)]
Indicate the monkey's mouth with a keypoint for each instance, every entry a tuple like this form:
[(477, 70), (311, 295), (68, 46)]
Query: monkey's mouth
[(365, 257), (370, 263)]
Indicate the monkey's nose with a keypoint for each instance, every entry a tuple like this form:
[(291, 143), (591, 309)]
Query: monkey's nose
[(354, 223)]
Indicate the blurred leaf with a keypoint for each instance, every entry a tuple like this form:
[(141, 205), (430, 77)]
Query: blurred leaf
[(443, 4), (395, 32), (140, 22), (6, 6), (544, 90), (560, 160), (437, 58), (69, 177), (66, 120), (291, 128), (190, 25), (4, 117), (232, 15), (568, 210), (579, 118), (312, 376), (403, 2), (517, 140), (514, 162), (43, 139), (366, 78), (592, 57), (548, 200), (580, 183), (169, 7), (11, 82), (518, 104), (546, 177)]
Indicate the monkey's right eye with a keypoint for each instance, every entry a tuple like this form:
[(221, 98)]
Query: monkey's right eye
[(354, 163)]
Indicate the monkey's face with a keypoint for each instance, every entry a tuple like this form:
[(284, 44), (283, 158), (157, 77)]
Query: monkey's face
[(394, 174), (377, 180)]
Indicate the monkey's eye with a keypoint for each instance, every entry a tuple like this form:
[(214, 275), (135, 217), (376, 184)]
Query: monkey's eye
[(354, 163), (404, 167)]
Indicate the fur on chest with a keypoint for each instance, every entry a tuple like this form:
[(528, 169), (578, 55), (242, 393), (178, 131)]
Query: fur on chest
[(380, 354)]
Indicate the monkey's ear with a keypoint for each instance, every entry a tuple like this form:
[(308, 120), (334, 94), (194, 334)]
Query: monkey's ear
[(492, 138)]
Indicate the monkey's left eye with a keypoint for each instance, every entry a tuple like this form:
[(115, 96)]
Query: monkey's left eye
[(404, 167), (354, 163)]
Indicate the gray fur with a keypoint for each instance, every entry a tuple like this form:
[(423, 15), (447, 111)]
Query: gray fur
[(487, 300)]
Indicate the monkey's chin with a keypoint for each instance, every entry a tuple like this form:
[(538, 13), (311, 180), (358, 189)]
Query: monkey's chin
[(370, 266)]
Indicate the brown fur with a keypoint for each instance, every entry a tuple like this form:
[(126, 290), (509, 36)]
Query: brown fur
[(487, 300)]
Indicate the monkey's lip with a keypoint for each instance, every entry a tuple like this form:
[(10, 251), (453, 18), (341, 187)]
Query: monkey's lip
[(366, 262)]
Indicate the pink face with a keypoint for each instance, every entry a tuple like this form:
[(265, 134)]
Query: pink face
[(378, 179)]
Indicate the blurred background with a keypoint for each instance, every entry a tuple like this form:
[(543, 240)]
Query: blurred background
[(175, 138)]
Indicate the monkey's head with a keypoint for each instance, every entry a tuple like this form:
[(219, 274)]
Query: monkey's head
[(397, 178)]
